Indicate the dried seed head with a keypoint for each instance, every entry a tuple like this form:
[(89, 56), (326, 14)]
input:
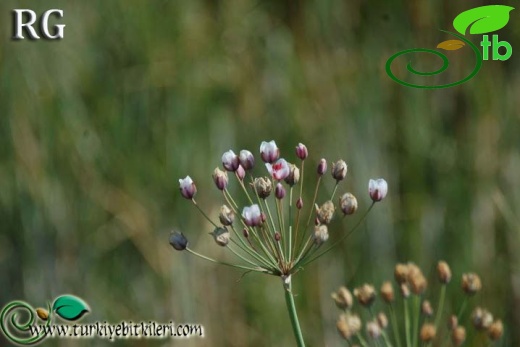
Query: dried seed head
[(301, 151), (187, 188), (496, 330), (247, 160), (401, 273), (444, 272), (382, 320), (279, 191), (178, 241), (321, 234), (322, 167), (348, 325), (405, 290), (471, 283), (343, 298), (453, 322), (42, 313), (230, 161), (373, 329), (426, 309), (220, 178), (428, 332), (339, 170), (348, 203), (458, 336), (387, 292), (482, 318), (226, 215), (325, 212), (294, 175), (263, 186), (299, 203), (221, 236), (365, 294)]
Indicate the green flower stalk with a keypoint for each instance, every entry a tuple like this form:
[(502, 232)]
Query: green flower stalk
[(271, 234)]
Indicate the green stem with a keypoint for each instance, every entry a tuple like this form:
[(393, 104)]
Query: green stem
[(407, 323), (462, 308), (203, 213), (385, 338), (361, 340), (291, 308), (440, 306), (257, 269), (395, 327), (416, 312)]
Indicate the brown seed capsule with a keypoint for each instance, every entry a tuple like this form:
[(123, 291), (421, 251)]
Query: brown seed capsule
[(263, 186), (373, 330), (365, 294), (471, 283), (325, 213), (42, 313), (416, 279), (226, 215), (401, 273), (221, 236), (405, 290), (453, 322), (348, 325), (294, 175), (382, 320), (339, 170), (482, 318), (444, 272), (387, 292), (343, 298), (458, 336), (496, 330), (299, 203), (426, 309), (428, 332), (277, 236), (321, 234)]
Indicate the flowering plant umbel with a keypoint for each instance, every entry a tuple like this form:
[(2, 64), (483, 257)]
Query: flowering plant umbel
[(275, 233)]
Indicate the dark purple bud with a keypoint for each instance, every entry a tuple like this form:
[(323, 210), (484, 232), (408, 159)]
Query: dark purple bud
[(230, 161), (220, 178), (277, 236), (299, 203), (279, 191), (178, 241), (187, 188)]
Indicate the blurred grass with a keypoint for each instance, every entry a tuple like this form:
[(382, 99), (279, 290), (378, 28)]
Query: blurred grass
[(96, 129)]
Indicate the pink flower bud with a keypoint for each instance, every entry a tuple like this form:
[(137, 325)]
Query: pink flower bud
[(322, 167), (187, 188), (252, 215), (277, 236), (220, 178), (279, 170), (301, 151), (299, 203), (269, 151), (279, 191), (246, 159), (241, 173), (230, 161), (377, 189)]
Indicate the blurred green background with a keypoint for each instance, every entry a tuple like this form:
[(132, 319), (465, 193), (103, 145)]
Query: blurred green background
[(97, 128)]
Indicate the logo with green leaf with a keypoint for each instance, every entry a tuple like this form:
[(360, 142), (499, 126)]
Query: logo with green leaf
[(478, 21), (20, 329)]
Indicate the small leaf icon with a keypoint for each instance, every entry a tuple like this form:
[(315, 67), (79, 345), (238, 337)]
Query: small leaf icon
[(69, 307), (483, 19), (451, 45)]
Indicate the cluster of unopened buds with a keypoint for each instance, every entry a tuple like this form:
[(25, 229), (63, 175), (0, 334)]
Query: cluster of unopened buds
[(417, 321), (270, 234)]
